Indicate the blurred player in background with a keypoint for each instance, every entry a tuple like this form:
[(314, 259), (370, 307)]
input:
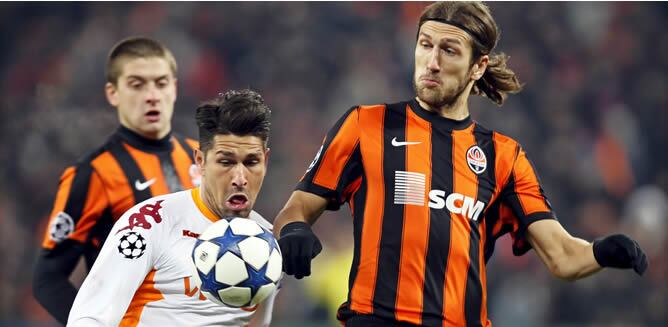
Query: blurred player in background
[(430, 190), (143, 158), (150, 285)]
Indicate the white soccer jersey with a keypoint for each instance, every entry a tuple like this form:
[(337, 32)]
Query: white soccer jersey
[(142, 276)]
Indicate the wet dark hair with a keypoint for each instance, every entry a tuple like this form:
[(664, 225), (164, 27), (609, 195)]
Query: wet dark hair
[(235, 112), (476, 19)]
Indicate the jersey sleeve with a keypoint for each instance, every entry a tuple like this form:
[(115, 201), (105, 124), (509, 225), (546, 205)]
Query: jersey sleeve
[(338, 164), (125, 264), (523, 201), (80, 202)]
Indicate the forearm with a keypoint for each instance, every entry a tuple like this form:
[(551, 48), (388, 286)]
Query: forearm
[(51, 285), (55, 293), (301, 206), (576, 260)]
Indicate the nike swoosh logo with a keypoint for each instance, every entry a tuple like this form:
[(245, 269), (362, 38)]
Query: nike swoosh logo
[(398, 143), (142, 186)]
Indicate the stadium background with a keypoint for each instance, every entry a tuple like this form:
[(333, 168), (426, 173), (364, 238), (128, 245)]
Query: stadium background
[(593, 118)]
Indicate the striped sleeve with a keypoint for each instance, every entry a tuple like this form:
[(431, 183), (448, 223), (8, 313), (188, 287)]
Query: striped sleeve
[(525, 198), (337, 166), (80, 202)]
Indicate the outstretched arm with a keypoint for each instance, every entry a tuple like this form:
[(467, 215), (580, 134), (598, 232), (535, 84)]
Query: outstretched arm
[(292, 228), (572, 258)]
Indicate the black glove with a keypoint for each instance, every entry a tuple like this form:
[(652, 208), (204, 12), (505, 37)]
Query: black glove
[(620, 251), (299, 246)]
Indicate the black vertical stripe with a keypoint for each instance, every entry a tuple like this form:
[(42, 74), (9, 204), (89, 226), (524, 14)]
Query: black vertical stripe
[(76, 199), (359, 200), (185, 145), (130, 169), (438, 246), (394, 159), (171, 177), (486, 184)]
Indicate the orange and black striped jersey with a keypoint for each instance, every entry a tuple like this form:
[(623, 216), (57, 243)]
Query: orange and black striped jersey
[(429, 196), (127, 169)]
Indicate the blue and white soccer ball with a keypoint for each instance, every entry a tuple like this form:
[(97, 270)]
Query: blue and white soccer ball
[(237, 262)]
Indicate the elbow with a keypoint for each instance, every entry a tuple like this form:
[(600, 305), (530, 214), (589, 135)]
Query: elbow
[(563, 272)]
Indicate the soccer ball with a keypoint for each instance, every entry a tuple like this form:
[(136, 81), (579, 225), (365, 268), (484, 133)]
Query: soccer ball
[(237, 262)]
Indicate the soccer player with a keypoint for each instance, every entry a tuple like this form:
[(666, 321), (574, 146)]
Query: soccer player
[(151, 285), (143, 158), (430, 190)]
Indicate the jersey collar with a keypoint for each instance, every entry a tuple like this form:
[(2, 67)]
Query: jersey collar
[(139, 142)]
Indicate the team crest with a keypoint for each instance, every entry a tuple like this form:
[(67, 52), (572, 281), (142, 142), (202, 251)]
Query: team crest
[(132, 245), (62, 225), (315, 160), (476, 159)]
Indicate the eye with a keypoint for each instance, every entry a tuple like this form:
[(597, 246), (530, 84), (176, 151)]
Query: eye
[(450, 51), (425, 45), (226, 162), (136, 85), (162, 83), (251, 162)]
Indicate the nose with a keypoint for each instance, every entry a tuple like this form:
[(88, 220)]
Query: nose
[(152, 97), (239, 179), (432, 63)]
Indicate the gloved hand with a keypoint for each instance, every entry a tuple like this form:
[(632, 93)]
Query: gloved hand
[(620, 251), (299, 246)]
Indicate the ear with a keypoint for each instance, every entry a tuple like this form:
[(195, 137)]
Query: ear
[(266, 157), (111, 92), (479, 68), (176, 89), (199, 160)]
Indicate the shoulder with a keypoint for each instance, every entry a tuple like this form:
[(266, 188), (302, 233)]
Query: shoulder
[(503, 143), (186, 141), (255, 216)]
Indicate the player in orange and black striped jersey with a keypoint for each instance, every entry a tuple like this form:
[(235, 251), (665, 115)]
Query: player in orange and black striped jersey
[(430, 190), (142, 159)]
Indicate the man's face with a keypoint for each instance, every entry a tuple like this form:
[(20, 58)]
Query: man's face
[(442, 63), (144, 96), (232, 173)]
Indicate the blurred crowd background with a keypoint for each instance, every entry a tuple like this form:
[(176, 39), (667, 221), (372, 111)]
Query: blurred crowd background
[(593, 117)]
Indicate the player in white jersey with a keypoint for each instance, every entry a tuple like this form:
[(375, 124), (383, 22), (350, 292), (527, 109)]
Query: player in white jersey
[(142, 276)]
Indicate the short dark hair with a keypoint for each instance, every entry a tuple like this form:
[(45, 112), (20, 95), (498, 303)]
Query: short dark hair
[(135, 47), (476, 19), (233, 112)]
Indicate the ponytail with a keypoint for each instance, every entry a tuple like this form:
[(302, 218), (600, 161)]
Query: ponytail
[(498, 80)]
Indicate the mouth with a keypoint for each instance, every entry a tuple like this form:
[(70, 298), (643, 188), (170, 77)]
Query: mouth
[(152, 115), (429, 81), (237, 202)]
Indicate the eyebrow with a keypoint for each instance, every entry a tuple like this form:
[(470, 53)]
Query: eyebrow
[(142, 78)]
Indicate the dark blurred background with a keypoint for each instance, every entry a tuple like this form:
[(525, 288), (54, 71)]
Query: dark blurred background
[(592, 117)]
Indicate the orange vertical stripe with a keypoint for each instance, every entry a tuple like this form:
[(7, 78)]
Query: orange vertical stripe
[(145, 293), (527, 186), (149, 164), (371, 147), (416, 225), (504, 149), (64, 187), (465, 183), (96, 202), (118, 191), (338, 153), (182, 159)]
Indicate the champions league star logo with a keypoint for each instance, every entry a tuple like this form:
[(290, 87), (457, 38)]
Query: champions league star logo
[(476, 159), (132, 245)]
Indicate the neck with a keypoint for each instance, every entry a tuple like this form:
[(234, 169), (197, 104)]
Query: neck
[(209, 201), (158, 135)]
